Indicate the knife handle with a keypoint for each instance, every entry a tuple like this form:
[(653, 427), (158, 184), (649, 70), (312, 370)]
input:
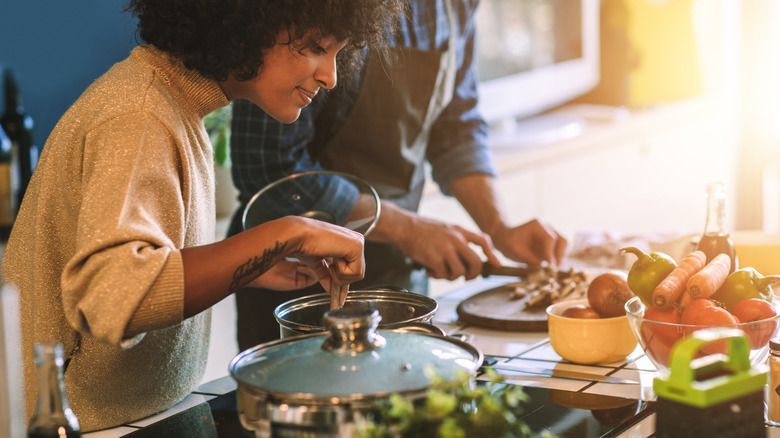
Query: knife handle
[(488, 270), (511, 271)]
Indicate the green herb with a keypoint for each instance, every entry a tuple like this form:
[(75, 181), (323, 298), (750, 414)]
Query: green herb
[(452, 409), (217, 125)]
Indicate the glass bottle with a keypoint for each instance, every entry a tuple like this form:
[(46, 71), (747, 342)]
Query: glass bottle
[(773, 389), (18, 125), (716, 238), (8, 187), (52, 417)]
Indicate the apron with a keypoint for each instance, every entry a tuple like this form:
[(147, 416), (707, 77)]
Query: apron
[(385, 137)]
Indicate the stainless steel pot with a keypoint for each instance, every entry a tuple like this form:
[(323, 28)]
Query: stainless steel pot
[(396, 307), (322, 384)]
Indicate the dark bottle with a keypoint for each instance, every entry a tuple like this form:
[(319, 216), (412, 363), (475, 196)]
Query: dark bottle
[(52, 417), (18, 125), (9, 184), (716, 238)]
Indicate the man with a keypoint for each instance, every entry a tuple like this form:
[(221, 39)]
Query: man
[(417, 105)]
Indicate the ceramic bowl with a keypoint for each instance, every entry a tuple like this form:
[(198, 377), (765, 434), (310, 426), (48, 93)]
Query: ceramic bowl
[(589, 341), (658, 338)]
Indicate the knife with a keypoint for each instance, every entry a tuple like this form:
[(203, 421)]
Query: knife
[(488, 270), (511, 271), (564, 374)]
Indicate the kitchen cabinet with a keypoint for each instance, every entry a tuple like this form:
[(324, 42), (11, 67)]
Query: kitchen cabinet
[(646, 173), (642, 171)]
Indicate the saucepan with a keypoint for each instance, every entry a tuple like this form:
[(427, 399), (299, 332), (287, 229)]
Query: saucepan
[(323, 384), (397, 308)]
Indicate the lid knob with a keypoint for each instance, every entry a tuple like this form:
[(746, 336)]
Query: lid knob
[(352, 329)]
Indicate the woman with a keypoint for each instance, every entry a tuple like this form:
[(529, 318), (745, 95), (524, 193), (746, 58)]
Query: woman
[(112, 250)]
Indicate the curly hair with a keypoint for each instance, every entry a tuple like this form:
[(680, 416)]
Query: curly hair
[(219, 38)]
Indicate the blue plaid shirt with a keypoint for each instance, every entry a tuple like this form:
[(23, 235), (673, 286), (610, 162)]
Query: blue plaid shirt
[(264, 150)]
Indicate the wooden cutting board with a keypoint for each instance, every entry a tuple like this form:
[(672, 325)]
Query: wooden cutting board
[(498, 309)]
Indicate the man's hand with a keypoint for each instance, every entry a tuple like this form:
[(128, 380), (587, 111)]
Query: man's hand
[(446, 251), (533, 243)]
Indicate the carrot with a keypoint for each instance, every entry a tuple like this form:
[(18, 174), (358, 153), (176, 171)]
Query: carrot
[(685, 299), (707, 281), (671, 287)]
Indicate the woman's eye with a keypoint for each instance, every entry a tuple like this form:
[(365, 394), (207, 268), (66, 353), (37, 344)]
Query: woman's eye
[(314, 48), (318, 50)]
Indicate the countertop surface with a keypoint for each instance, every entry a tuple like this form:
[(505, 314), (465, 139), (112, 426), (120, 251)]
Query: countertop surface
[(529, 349)]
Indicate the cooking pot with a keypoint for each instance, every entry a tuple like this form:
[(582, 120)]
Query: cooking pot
[(397, 308), (323, 384)]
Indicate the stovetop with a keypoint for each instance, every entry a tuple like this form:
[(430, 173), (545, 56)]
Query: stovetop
[(548, 409), (216, 418)]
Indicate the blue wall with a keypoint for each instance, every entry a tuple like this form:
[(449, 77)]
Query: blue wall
[(57, 48)]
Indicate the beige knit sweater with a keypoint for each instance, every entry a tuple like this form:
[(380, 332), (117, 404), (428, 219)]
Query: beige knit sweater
[(124, 183)]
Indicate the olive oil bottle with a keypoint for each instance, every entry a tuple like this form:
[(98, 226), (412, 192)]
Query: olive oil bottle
[(53, 417), (716, 238)]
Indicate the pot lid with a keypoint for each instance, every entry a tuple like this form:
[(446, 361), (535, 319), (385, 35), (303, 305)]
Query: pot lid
[(353, 359)]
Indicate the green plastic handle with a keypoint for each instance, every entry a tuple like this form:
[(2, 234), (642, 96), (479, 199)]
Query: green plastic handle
[(685, 351)]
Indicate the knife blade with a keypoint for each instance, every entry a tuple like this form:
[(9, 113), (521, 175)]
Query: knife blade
[(511, 271), (564, 374)]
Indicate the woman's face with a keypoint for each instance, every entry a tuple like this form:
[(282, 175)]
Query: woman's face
[(290, 77)]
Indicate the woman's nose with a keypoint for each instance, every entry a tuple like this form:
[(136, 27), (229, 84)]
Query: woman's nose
[(326, 75)]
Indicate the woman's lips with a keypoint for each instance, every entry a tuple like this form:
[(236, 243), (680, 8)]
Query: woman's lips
[(306, 95)]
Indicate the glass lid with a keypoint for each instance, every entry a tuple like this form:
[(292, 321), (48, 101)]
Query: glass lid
[(333, 197), (353, 359)]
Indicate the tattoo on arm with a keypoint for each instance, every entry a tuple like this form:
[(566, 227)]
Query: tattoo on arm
[(257, 265)]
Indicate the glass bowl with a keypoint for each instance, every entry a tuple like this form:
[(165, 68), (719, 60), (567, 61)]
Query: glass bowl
[(335, 197), (657, 338)]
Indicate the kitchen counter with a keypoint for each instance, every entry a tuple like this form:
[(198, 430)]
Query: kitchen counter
[(210, 409)]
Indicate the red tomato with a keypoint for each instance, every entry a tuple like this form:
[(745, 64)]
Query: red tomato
[(711, 316), (668, 316), (692, 312), (658, 334), (755, 309)]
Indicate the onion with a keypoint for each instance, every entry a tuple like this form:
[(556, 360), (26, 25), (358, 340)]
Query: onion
[(580, 311), (608, 293)]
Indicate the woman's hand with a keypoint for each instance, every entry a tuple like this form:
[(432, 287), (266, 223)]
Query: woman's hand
[(328, 253), (331, 251), (286, 275)]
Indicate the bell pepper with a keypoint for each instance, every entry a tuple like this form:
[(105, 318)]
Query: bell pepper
[(647, 272), (745, 283)]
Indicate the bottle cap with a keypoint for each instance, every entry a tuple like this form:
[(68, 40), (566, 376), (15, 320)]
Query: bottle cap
[(774, 345)]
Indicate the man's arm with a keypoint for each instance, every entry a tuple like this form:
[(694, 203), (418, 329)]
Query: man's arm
[(442, 248), (462, 165), (533, 242)]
